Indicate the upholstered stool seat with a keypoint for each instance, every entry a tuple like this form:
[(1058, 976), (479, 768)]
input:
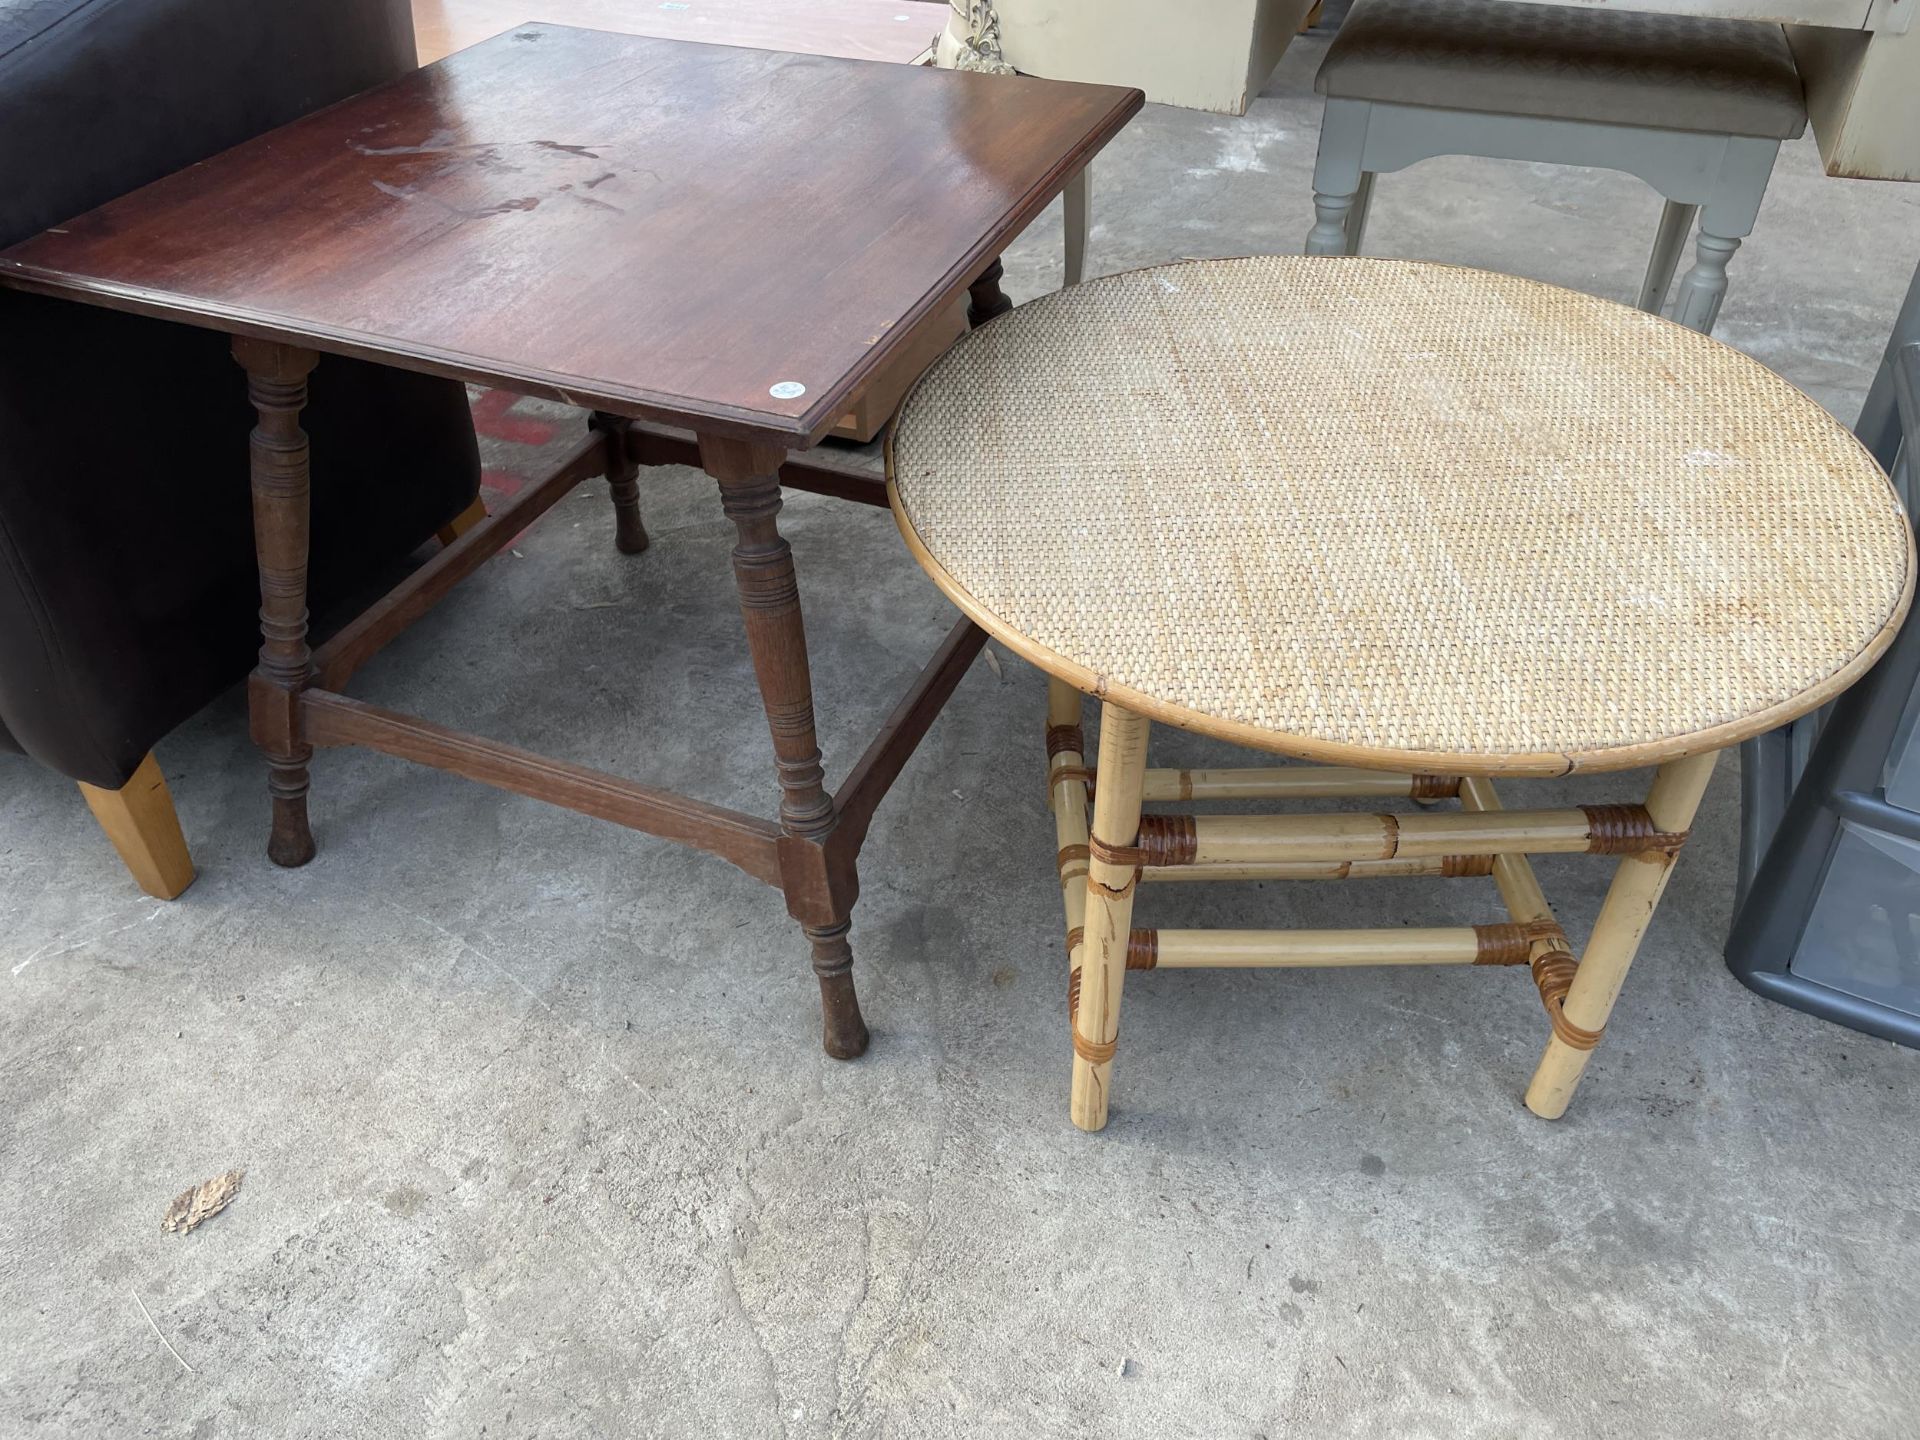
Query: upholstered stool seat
[(1697, 108), (1610, 67)]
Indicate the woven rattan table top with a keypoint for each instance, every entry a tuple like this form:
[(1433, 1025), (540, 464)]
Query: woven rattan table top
[(1400, 514)]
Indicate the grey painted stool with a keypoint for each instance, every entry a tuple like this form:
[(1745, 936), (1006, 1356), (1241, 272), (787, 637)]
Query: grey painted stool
[(1696, 108)]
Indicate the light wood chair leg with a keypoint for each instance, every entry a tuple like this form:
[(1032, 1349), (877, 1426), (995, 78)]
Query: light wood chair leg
[(139, 820), (463, 522), (1110, 887), (1077, 208), (1676, 223), (1624, 917)]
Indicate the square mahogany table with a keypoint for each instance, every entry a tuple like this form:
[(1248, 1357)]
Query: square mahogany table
[(731, 241)]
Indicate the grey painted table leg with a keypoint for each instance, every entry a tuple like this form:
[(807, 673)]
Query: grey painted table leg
[(1077, 212)]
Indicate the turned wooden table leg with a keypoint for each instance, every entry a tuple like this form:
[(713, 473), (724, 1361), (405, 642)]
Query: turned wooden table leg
[(623, 484), (749, 480), (277, 386), (1113, 874), (1624, 917), (985, 298)]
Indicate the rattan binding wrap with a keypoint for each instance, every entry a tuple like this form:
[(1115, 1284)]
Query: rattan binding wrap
[(1627, 830), (1553, 973), (1396, 513), (1143, 953)]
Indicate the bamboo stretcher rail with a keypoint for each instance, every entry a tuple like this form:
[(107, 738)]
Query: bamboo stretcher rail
[(1504, 944), (1295, 782), (1207, 949), (1201, 840), (1450, 867)]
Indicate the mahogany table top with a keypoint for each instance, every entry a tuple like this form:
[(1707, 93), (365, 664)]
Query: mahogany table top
[(727, 238)]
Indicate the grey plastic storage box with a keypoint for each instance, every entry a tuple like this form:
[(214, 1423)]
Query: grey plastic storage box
[(1831, 921)]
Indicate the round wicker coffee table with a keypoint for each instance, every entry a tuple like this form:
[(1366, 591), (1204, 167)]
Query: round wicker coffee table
[(1421, 525)]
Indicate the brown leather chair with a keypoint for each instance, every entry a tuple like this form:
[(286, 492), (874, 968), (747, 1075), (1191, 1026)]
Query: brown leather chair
[(127, 583)]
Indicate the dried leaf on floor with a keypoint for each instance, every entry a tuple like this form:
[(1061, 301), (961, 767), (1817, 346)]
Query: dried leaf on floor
[(202, 1202), (993, 662)]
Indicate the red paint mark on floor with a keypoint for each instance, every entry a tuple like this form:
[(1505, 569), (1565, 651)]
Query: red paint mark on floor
[(493, 418)]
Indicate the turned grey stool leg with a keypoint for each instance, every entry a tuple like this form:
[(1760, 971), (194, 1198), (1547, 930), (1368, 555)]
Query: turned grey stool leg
[(1697, 303), (1329, 233), (1357, 216), (1338, 179), (1676, 223), (1726, 218)]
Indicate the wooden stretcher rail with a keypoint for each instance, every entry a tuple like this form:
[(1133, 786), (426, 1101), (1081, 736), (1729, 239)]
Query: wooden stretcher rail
[(751, 843), (1294, 782), (887, 754), (820, 474)]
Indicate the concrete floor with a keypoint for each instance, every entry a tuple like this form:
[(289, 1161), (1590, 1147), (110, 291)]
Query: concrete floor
[(539, 1140)]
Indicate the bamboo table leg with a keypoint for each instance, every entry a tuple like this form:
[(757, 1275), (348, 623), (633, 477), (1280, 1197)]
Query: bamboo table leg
[(820, 888), (1624, 917), (277, 386), (1067, 795), (1112, 875)]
